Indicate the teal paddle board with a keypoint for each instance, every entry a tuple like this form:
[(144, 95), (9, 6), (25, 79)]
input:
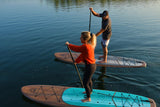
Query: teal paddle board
[(71, 97)]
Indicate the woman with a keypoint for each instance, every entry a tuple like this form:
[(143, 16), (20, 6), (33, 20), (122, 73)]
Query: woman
[(88, 41)]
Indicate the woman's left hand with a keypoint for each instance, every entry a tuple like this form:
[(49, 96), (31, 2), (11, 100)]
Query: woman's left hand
[(67, 43)]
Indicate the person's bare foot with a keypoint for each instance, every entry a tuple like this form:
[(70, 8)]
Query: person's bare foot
[(103, 61), (86, 100), (84, 92)]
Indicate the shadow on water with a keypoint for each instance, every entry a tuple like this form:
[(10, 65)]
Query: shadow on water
[(101, 75)]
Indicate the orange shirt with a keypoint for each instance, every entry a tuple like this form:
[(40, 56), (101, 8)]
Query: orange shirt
[(87, 53)]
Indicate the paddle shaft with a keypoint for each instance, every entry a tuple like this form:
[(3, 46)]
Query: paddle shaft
[(75, 66), (90, 21)]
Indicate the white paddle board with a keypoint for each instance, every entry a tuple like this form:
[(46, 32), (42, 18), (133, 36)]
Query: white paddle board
[(112, 61)]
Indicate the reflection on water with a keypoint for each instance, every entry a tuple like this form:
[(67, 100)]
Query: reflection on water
[(69, 3), (101, 77)]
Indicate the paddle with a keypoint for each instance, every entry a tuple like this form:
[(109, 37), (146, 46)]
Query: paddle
[(75, 66), (90, 21)]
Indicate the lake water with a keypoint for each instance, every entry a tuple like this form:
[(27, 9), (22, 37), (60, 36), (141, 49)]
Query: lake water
[(31, 31)]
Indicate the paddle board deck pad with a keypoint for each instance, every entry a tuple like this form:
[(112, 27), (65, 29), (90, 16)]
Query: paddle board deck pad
[(71, 97), (112, 61)]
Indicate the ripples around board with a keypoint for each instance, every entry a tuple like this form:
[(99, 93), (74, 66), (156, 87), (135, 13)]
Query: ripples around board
[(31, 31)]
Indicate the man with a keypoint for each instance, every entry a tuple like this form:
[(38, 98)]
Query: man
[(106, 32)]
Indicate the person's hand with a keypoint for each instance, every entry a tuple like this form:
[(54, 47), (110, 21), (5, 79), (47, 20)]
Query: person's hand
[(67, 43), (91, 9)]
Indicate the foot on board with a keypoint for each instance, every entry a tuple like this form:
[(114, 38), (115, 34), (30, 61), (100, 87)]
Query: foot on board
[(86, 100), (102, 61)]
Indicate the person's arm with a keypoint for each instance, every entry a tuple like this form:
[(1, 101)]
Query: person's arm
[(93, 40), (75, 47), (79, 59), (100, 32), (93, 12)]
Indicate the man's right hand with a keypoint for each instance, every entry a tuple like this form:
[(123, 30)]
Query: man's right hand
[(91, 9)]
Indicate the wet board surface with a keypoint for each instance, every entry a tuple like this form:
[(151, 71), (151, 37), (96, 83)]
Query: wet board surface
[(112, 61), (71, 97)]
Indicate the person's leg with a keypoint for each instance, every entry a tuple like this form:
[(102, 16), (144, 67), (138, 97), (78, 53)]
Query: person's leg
[(105, 52), (93, 69), (104, 44), (86, 81), (90, 85), (90, 69), (87, 91)]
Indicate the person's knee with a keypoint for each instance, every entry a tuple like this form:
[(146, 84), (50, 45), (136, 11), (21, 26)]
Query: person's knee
[(105, 51), (85, 83)]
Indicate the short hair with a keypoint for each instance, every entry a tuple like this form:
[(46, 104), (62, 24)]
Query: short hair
[(105, 13)]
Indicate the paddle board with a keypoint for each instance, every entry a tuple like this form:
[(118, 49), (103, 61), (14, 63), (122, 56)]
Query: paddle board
[(71, 97), (112, 61)]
